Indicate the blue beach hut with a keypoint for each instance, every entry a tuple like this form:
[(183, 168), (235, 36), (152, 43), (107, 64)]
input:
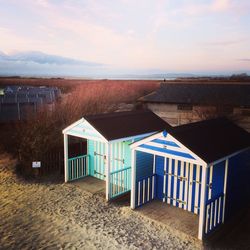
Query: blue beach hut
[(201, 167), (108, 153)]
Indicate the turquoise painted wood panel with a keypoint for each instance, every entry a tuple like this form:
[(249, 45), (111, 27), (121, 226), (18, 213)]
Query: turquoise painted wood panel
[(100, 160), (127, 157), (85, 130), (120, 155), (116, 157), (90, 150), (119, 182), (127, 154), (120, 170)]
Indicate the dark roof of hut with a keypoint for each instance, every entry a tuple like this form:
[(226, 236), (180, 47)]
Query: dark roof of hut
[(126, 124), (212, 139), (236, 94)]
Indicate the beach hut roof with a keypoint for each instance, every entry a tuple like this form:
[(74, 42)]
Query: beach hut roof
[(211, 140), (237, 94), (126, 124)]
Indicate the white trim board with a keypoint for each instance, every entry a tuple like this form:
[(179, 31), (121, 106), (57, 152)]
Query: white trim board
[(131, 137), (72, 125), (73, 128)]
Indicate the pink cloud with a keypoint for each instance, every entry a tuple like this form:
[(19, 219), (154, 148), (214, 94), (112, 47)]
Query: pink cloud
[(220, 5), (203, 8)]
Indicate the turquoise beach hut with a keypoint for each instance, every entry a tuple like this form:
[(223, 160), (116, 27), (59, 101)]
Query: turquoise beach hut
[(108, 152)]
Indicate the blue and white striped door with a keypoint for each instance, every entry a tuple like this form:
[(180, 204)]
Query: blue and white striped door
[(195, 174), (182, 184), (176, 179)]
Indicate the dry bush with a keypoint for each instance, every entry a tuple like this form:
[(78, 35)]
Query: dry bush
[(43, 133), (67, 85), (104, 96)]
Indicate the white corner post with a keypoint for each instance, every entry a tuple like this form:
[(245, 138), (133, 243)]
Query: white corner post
[(225, 190), (66, 157), (203, 202), (133, 179), (107, 171)]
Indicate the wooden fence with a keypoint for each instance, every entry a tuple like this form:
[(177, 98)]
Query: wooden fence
[(53, 162)]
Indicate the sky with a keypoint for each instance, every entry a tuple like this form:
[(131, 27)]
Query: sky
[(124, 36)]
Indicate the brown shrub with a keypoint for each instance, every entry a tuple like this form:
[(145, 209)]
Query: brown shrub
[(43, 133)]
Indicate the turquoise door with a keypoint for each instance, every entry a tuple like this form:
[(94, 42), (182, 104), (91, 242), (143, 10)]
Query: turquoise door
[(100, 160), (120, 169)]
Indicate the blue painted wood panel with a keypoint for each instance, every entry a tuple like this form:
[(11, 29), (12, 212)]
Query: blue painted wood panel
[(238, 184), (218, 178), (144, 165), (159, 170)]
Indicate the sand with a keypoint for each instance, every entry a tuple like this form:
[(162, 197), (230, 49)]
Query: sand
[(54, 215)]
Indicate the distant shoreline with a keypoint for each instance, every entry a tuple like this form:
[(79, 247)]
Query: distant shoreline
[(68, 84), (154, 77)]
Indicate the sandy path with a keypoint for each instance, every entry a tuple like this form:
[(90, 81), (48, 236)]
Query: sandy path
[(61, 216)]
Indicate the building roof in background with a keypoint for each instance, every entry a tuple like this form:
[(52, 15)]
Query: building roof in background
[(127, 124), (237, 94), (212, 139)]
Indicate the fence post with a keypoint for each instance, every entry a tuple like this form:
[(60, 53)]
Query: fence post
[(133, 179), (65, 139), (203, 201), (107, 171)]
